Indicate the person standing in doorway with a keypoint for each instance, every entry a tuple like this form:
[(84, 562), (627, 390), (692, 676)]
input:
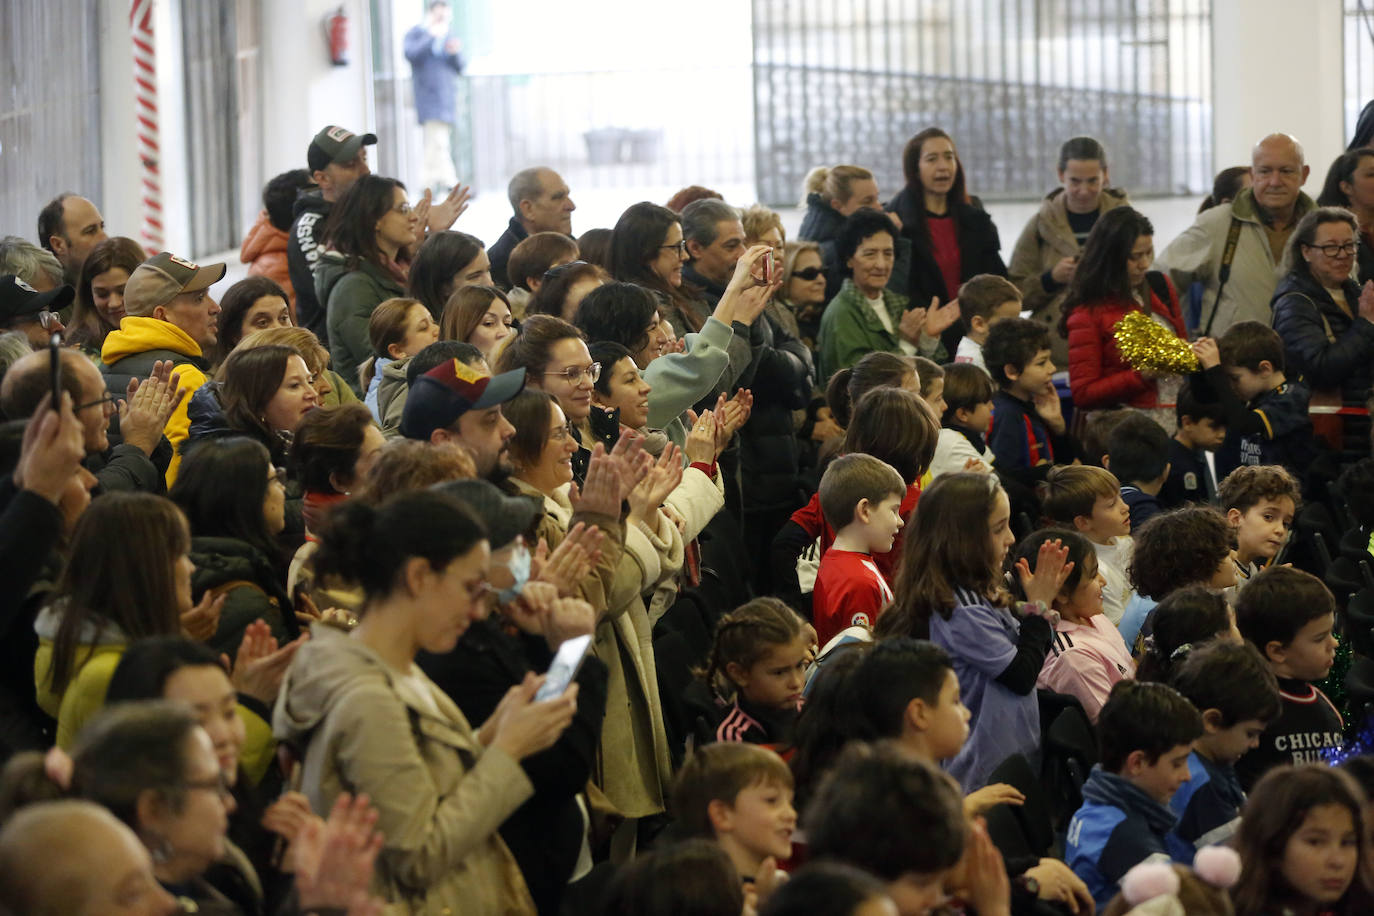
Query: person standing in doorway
[(436, 63)]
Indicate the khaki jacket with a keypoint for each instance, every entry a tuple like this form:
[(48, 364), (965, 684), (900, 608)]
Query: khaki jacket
[(634, 768), (1195, 256), (440, 794), (1045, 241)]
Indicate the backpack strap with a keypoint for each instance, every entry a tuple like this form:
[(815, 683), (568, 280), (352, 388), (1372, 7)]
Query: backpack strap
[(1228, 254)]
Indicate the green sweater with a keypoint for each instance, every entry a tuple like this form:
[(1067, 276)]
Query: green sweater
[(850, 329)]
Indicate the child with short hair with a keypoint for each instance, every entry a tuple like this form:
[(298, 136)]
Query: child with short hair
[(949, 590), (1234, 690), (860, 497), (1290, 616), (1201, 429), (740, 796), (968, 412), (932, 376), (1145, 734), (1267, 420), (984, 300), (1259, 502), (1088, 500), (863, 815), (1087, 655), (1138, 454), (1301, 842), (1185, 621), (397, 330), (756, 672), (1188, 546), (1028, 433)]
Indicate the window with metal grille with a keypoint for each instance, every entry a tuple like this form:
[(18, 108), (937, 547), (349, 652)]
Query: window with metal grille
[(849, 81)]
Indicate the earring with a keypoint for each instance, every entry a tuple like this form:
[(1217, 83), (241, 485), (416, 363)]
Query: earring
[(159, 849)]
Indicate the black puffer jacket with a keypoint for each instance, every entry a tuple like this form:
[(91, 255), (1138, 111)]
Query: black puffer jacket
[(781, 380), (1322, 343), (253, 587)]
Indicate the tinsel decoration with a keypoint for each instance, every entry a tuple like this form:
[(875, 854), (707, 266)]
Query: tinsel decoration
[(1334, 688), (1147, 346)]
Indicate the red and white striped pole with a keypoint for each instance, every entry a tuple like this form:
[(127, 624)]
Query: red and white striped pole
[(149, 151)]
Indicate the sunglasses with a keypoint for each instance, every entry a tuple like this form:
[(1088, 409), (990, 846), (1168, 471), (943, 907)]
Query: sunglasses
[(810, 273)]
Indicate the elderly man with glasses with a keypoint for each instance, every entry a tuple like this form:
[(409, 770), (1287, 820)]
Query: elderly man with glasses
[(136, 458)]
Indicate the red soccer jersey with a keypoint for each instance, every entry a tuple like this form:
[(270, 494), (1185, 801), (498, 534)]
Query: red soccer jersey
[(850, 591)]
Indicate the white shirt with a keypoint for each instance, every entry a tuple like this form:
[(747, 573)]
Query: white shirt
[(970, 351), (880, 309), (1112, 561), (953, 450)]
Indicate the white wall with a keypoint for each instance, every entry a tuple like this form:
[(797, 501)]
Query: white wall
[(119, 149), (302, 91), (1278, 66)]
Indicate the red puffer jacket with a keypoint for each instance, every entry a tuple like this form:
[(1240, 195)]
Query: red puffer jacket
[(264, 251), (1098, 376)]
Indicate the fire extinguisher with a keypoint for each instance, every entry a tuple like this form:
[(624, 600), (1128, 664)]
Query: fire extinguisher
[(336, 30)]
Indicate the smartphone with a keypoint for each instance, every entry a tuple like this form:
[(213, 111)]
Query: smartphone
[(567, 661), (55, 370), (768, 268)]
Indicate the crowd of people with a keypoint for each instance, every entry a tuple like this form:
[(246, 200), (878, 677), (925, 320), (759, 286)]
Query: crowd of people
[(684, 567)]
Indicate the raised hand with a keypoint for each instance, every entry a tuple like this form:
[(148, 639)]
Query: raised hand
[(910, 325), (201, 621), (259, 665), (526, 727), (1050, 409), (1052, 568), (571, 561), (334, 859), (939, 317), (51, 450), (663, 477), (568, 618), (700, 447), (287, 817), (600, 492), (1209, 354), (444, 213), (149, 404)]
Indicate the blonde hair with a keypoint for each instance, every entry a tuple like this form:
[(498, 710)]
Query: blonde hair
[(833, 183), (302, 340), (758, 219)]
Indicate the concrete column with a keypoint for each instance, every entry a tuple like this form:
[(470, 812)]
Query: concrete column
[(1278, 66)]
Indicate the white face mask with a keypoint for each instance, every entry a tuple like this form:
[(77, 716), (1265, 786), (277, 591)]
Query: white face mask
[(519, 567)]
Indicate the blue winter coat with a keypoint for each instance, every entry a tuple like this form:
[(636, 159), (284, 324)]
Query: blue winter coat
[(434, 70)]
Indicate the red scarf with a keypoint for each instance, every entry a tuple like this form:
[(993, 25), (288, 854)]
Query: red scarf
[(314, 508)]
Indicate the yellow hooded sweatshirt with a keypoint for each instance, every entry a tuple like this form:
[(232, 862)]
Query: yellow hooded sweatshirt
[(137, 336)]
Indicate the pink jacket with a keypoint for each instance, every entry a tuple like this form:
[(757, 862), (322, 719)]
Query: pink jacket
[(1085, 661)]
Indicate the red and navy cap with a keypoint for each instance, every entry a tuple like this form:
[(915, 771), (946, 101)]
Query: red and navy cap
[(449, 390)]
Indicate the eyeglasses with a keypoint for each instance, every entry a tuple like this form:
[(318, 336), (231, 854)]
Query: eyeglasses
[(219, 785), (555, 272), (107, 399), (573, 374), (680, 247), (562, 433), (404, 209), (810, 273), (49, 320), (1331, 251)]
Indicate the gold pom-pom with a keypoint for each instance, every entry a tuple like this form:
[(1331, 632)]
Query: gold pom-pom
[(1148, 346)]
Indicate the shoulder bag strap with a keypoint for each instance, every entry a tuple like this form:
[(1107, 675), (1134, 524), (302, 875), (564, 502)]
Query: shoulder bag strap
[(1228, 254)]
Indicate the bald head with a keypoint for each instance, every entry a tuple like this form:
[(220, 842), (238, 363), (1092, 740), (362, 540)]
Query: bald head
[(101, 862), (1279, 173), (1285, 144)]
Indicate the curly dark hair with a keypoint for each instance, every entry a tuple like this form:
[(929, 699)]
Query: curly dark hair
[(1178, 548)]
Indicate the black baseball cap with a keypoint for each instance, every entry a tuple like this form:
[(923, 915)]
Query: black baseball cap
[(335, 144), (19, 301)]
